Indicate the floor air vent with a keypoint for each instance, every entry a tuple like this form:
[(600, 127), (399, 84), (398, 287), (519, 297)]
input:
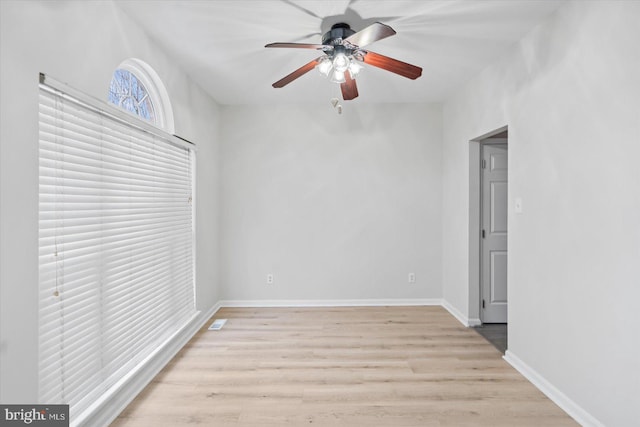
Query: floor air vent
[(217, 324)]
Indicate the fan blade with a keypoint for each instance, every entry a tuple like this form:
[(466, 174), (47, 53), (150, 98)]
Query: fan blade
[(300, 46), (349, 87), (374, 32), (297, 73), (307, 11), (402, 68)]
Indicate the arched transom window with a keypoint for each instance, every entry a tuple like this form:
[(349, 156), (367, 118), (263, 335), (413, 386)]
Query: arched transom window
[(128, 92), (137, 88)]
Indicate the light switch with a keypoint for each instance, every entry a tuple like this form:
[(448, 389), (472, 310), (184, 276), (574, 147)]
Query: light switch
[(517, 205)]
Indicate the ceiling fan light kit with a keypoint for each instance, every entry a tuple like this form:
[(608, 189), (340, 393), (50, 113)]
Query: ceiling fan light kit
[(343, 54)]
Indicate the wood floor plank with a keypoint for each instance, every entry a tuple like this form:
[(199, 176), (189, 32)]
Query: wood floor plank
[(344, 366)]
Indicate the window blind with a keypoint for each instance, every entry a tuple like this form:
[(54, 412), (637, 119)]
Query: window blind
[(116, 261)]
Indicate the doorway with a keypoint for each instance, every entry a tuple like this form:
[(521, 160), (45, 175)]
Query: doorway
[(493, 235), (488, 231)]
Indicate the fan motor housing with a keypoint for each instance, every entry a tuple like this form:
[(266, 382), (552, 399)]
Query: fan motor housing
[(337, 33)]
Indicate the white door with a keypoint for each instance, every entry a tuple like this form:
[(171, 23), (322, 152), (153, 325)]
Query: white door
[(493, 259)]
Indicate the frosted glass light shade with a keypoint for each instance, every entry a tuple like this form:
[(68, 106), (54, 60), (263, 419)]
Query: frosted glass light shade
[(325, 66), (354, 68), (337, 76), (341, 62)]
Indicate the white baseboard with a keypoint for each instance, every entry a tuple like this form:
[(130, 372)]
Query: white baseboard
[(331, 303), (217, 306), (474, 321), (104, 412), (458, 315), (552, 392)]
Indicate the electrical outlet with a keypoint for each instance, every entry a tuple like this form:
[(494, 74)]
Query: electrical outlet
[(269, 279), (412, 278)]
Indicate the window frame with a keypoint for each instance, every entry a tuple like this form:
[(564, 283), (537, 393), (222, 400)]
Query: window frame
[(155, 89)]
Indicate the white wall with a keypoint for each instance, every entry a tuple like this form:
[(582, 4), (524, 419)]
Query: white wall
[(570, 93), (79, 43), (335, 206)]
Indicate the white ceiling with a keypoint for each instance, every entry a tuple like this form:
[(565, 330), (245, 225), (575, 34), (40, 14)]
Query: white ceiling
[(220, 43)]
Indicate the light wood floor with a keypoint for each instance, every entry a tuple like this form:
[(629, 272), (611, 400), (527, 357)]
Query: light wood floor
[(373, 366)]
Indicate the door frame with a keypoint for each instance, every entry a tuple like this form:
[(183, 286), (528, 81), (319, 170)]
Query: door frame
[(475, 227)]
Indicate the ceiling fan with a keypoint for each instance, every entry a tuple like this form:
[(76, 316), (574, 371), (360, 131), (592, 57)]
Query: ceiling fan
[(343, 52)]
